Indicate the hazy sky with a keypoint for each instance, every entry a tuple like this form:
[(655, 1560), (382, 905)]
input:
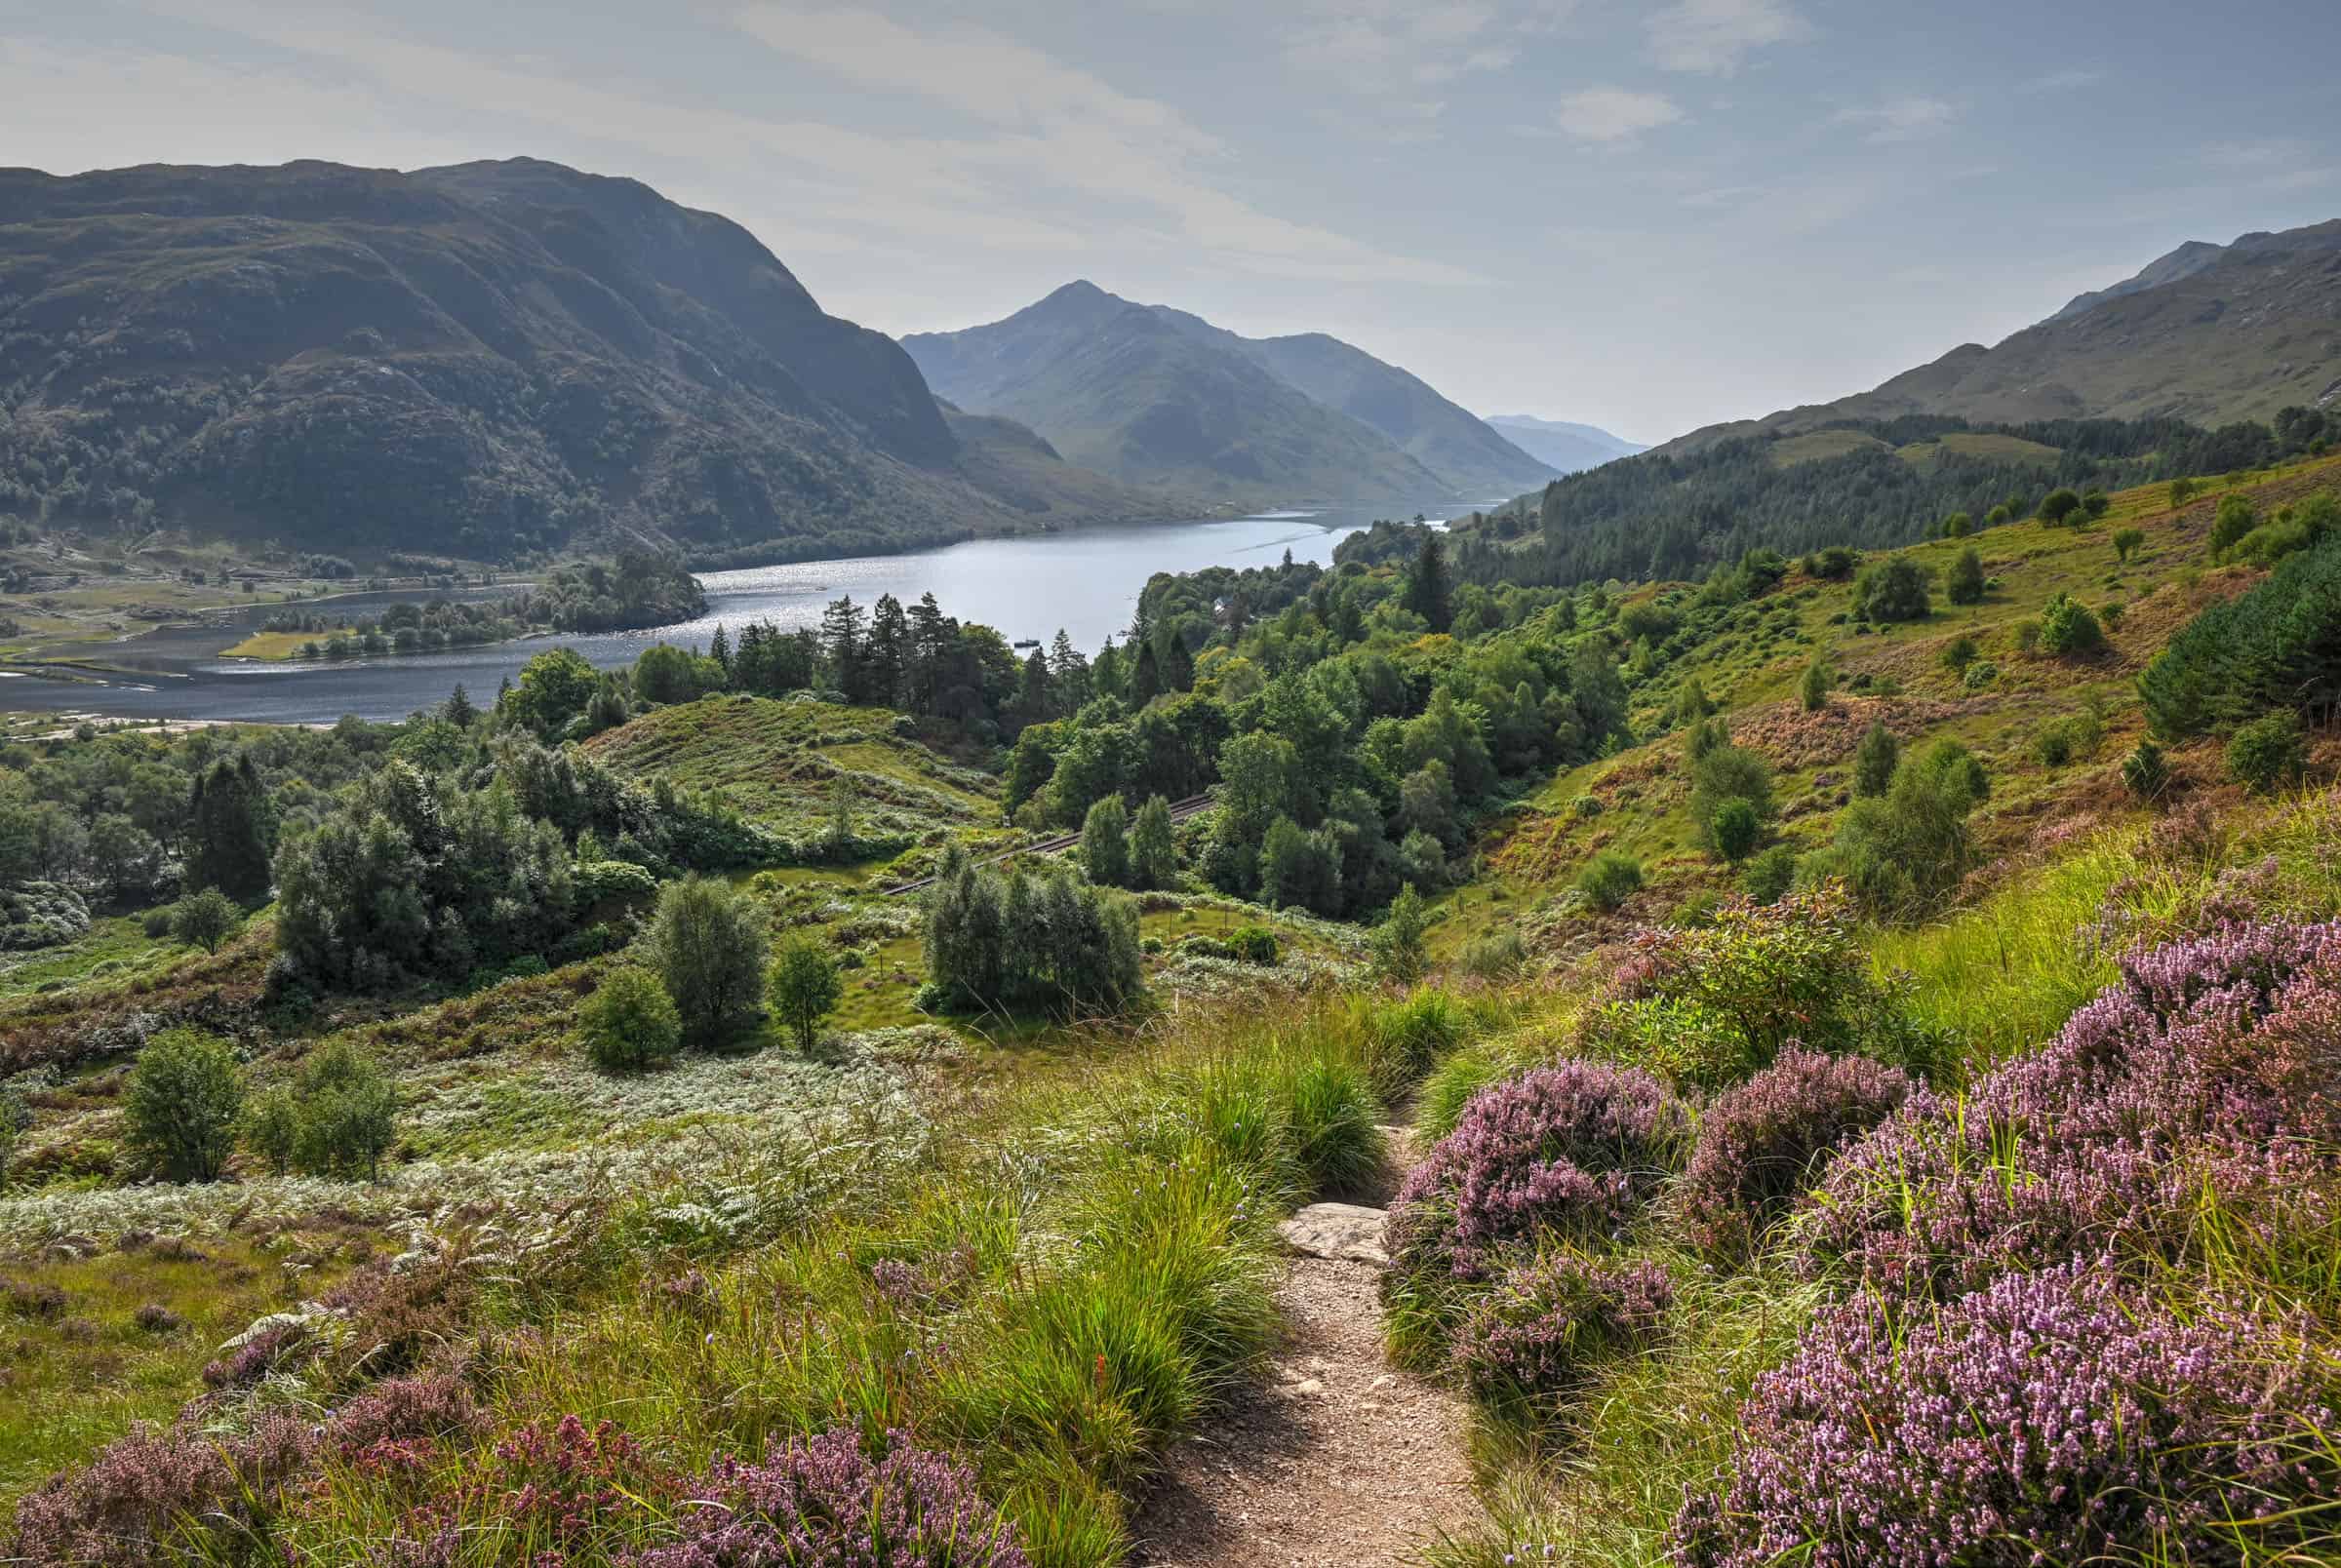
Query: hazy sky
[(1648, 217)]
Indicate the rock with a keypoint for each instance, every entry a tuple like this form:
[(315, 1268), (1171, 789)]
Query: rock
[(1308, 1388), (1343, 1231)]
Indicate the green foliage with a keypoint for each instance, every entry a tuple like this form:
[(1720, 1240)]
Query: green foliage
[(205, 918), (1336, 1124), (1735, 829), (1029, 938), (2059, 504), (337, 1118), (1964, 584), (1813, 690), (2068, 628), (805, 987), (2126, 542), (2269, 753), (1427, 590), (1957, 526), (1609, 879), (2277, 646), (1901, 852), (1874, 760), (1153, 847), (230, 830), (1894, 589), (2182, 490), (707, 942), (1495, 956), (2145, 772), (1300, 869), (1766, 877), (1835, 563), (555, 686), (1401, 950), (1725, 773), (1106, 842), (629, 1022), (2234, 518), (1979, 675), (180, 1106), (1407, 1037), (1255, 944)]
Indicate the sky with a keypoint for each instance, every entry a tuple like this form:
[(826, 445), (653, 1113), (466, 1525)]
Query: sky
[(1647, 216)]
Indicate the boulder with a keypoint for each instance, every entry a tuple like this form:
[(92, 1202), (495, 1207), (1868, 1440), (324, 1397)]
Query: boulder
[(1344, 1232)]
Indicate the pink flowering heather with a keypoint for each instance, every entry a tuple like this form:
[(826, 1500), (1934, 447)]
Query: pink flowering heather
[(2044, 1419), (823, 1503), (2209, 1075), (1578, 1148), (1539, 1333), (1762, 1144), (152, 1494), (562, 1492), (407, 1409)]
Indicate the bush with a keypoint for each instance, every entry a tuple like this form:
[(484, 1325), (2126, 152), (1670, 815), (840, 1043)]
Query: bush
[(338, 1117), (805, 987), (1549, 1324), (1336, 1125), (1768, 876), (629, 1021), (156, 922), (2052, 1416), (1735, 829), (2126, 542), (2269, 753), (2068, 628), (1762, 1144), (1874, 760), (1495, 956), (1891, 590), (2276, 647), (1571, 1151), (41, 914), (1964, 583), (599, 884), (180, 1106), (707, 942), (1400, 952), (182, 1494), (2234, 519), (1255, 944), (2059, 504), (2145, 772), (824, 1499), (1835, 561), (1979, 675), (1609, 879), (1902, 851)]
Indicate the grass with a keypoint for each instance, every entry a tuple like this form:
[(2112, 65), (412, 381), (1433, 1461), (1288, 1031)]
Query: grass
[(276, 645)]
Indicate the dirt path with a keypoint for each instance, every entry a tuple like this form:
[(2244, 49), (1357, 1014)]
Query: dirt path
[(1336, 1458)]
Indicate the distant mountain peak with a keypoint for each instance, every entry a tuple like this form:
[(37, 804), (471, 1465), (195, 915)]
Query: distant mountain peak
[(2185, 262)]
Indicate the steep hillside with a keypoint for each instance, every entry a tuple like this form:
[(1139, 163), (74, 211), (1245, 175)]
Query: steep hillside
[(1157, 397), (2208, 334), (484, 360), (1561, 445)]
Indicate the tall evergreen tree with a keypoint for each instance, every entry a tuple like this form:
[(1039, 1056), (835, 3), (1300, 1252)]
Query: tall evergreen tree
[(886, 653), (1145, 677), (841, 642), (230, 830), (1428, 592)]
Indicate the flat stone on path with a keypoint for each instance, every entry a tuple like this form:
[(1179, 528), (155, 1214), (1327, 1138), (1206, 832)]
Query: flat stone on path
[(1339, 1233)]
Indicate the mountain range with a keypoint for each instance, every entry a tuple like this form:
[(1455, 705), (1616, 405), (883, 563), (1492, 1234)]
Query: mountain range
[(1158, 396), (1564, 446), (486, 359), (2208, 334)]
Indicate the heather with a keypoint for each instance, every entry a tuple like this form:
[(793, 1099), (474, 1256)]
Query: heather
[(1548, 1323), (2049, 1416)]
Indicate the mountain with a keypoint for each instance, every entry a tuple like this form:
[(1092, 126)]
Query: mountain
[(1564, 446), (1158, 396), (2208, 333), (488, 360)]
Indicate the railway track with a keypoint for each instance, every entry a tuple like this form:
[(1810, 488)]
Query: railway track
[(1180, 810)]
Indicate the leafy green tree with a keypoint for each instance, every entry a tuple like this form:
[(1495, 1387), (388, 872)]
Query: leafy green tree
[(1963, 583), (842, 836), (2126, 542), (2068, 628), (205, 918), (1736, 829), (664, 673), (2234, 518), (123, 855), (1875, 761), (1028, 938), (180, 1106), (2059, 504), (1400, 943), (1153, 847), (1960, 652), (230, 830), (1902, 851), (708, 941), (2095, 503), (1957, 526), (1300, 869), (1894, 589), (555, 687), (1106, 842), (1729, 773), (629, 1021), (806, 987), (344, 1113)]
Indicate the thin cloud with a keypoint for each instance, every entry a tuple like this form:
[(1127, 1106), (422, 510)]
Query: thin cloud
[(1714, 37), (1612, 113), (1901, 119), (2065, 81)]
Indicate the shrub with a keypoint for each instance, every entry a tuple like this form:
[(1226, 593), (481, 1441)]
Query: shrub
[(1723, 772), (342, 1114), (2273, 648), (1979, 675), (157, 922), (601, 884), (2048, 1417), (2126, 542), (2145, 772), (1891, 590), (1494, 957), (805, 987), (1735, 828), (1548, 1324), (629, 1021), (180, 1106), (159, 1496), (1571, 1151), (1902, 851), (1609, 879), (1964, 584), (1255, 944), (1762, 1144), (1400, 951), (2234, 519), (1835, 561), (41, 914), (2066, 627), (1813, 689), (2059, 504), (1767, 877), (707, 942), (1875, 759), (824, 1499), (2268, 753)]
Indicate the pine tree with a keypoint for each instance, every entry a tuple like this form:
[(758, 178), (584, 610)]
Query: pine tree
[(719, 648), (841, 642), (230, 830), (1146, 679), (1036, 700), (1816, 689), (1427, 587), (1178, 665), (459, 709)]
